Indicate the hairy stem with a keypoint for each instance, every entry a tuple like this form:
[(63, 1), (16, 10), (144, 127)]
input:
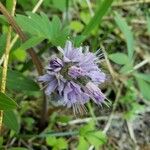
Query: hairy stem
[(5, 64), (23, 37)]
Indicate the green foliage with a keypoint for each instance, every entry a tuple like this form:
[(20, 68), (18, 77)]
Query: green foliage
[(90, 136), (145, 77), (97, 18), (60, 4), (29, 122), (19, 54), (122, 24), (6, 103), (31, 42), (56, 143), (77, 26), (83, 144), (144, 88), (119, 58), (42, 28), (47, 30), (11, 120), (63, 119), (9, 5), (16, 81), (129, 101)]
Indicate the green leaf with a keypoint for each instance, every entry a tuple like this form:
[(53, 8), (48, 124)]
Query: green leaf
[(77, 26), (60, 4), (16, 81), (41, 27), (6, 103), (33, 41), (28, 25), (144, 88), (61, 143), (83, 144), (97, 18), (122, 24), (87, 128), (145, 77), (3, 20), (64, 119), (126, 68), (1, 141), (11, 120), (20, 54), (119, 58), (9, 5), (96, 138), (85, 17), (51, 140)]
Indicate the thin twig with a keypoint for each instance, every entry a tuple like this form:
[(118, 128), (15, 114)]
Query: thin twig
[(85, 120), (113, 110), (141, 64), (5, 64), (36, 7)]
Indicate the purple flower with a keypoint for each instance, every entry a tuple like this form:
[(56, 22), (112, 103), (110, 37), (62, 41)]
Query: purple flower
[(74, 76), (94, 92)]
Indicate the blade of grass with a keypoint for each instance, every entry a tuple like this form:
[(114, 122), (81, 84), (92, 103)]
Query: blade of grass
[(97, 18)]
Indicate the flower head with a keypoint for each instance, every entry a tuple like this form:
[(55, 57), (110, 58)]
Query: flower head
[(74, 77)]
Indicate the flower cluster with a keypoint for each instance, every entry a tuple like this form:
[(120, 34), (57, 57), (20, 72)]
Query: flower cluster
[(74, 76)]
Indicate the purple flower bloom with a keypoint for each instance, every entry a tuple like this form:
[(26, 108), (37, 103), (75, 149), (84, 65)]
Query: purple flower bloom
[(74, 77)]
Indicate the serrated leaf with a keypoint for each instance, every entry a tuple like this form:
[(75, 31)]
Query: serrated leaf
[(119, 58), (16, 81), (25, 23), (11, 120), (144, 88), (42, 27), (6, 103), (122, 24)]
